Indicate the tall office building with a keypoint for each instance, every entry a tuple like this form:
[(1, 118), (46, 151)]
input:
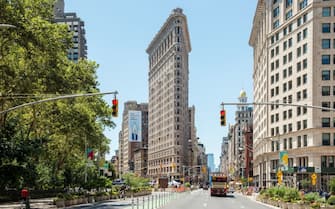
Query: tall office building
[(168, 97), (76, 25), (129, 142), (210, 162), (294, 62)]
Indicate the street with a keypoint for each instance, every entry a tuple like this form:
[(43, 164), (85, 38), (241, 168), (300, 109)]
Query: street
[(199, 199)]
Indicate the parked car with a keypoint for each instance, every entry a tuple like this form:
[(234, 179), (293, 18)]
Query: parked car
[(118, 182)]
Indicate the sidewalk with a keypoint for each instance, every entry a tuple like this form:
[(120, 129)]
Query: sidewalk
[(253, 197), (44, 203)]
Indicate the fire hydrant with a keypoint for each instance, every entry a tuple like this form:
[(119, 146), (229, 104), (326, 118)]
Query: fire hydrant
[(25, 197)]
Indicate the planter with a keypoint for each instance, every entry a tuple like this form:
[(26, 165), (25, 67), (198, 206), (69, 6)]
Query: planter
[(91, 199), (60, 203)]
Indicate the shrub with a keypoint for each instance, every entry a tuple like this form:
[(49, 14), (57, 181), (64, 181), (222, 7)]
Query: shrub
[(311, 197), (331, 200), (291, 195), (332, 186)]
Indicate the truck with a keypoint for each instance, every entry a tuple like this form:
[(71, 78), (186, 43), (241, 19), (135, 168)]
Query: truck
[(219, 184)]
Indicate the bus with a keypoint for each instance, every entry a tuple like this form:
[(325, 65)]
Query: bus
[(219, 185)]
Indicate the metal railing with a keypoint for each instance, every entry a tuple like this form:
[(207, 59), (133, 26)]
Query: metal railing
[(154, 201)]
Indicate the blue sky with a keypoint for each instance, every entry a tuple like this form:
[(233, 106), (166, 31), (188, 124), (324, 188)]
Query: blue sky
[(220, 63)]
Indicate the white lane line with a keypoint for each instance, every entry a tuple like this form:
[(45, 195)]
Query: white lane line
[(242, 206), (205, 205)]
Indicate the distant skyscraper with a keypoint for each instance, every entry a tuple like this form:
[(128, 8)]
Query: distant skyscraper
[(76, 25), (168, 97), (210, 162)]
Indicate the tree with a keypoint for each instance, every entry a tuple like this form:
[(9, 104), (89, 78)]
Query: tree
[(48, 138)]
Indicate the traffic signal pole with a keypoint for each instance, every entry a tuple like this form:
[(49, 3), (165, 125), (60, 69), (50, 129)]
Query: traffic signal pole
[(57, 98), (278, 103)]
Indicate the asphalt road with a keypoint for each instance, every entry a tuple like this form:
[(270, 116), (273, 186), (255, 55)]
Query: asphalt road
[(201, 199)]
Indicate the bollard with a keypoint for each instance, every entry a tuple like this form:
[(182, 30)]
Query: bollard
[(156, 201), (148, 202), (132, 203), (143, 202), (137, 203), (152, 202)]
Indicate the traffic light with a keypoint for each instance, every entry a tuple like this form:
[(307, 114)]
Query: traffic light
[(115, 108), (223, 118)]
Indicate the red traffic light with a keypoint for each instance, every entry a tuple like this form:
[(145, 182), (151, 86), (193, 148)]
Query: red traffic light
[(223, 112), (114, 102)]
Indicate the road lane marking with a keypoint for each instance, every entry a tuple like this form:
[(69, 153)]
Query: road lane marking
[(205, 205)]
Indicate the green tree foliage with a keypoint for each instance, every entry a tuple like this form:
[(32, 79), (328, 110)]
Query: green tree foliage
[(43, 145)]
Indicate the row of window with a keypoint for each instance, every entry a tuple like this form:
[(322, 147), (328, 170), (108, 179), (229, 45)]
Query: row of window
[(302, 141), (326, 139), (288, 15), (327, 161), (288, 86)]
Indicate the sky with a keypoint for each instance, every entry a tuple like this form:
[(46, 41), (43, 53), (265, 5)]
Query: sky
[(220, 63)]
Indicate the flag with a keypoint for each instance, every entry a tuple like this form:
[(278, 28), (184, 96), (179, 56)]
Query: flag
[(90, 153)]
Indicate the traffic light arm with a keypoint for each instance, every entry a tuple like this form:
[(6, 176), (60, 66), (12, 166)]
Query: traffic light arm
[(56, 98)]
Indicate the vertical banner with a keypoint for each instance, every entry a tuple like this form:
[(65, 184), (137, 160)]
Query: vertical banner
[(283, 160), (89, 153), (135, 126)]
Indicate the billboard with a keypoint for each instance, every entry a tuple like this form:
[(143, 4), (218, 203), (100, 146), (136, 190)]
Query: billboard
[(283, 160), (135, 126)]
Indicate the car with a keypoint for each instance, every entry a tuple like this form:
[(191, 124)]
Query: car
[(205, 187), (118, 182)]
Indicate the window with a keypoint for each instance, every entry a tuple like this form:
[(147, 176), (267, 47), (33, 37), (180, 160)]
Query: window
[(290, 56), (288, 14), (290, 143), (326, 105), (304, 124), (304, 33), (325, 43), (325, 27), (325, 91), (298, 66), (299, 37), (299, 141), (325, 139), (325, 11), (276, 12), (305, 141), (289, 42), (285, 73), (299, 52), (304, 78), (304, 48), (298, 111), (275, 24), (285, 45), (284, 59), (285, 144), (303, 4), (298, 125), (325, 122), (325, 75), (288, 3), (298, 81), (298, 96), (304, 64), (325, 59), (290, 26)]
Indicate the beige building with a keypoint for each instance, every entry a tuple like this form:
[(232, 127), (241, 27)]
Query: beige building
[(168, 97), (294, 62), (128, 148)]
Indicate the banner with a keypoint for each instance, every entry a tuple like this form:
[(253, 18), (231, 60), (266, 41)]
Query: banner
[(283, 160), (90, 153), (135, 126)]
